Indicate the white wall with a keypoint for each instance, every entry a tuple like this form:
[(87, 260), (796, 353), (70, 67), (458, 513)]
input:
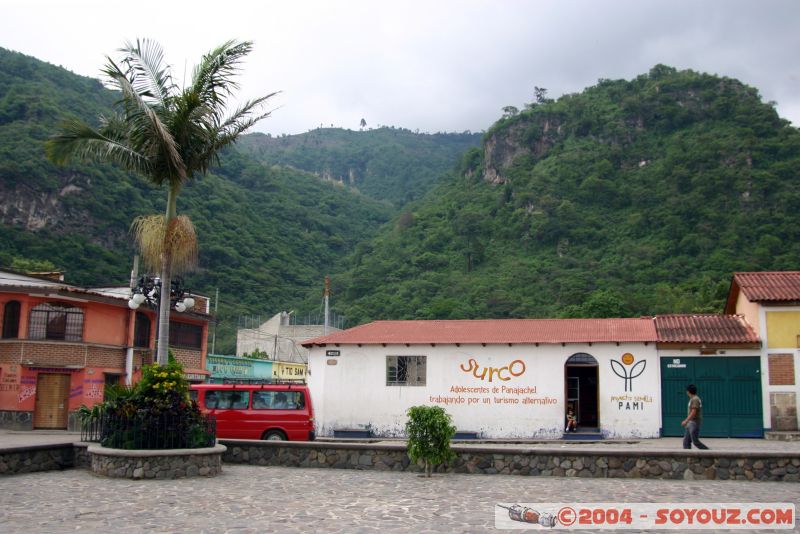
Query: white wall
[(281, 341), (353, 393)]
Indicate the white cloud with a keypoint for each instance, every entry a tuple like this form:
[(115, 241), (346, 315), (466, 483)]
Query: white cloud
[(442, 65)]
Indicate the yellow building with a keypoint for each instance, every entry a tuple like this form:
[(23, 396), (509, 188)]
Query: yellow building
[(770, 302)]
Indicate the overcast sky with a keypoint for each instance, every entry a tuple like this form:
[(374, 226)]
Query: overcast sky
[(432, 65)]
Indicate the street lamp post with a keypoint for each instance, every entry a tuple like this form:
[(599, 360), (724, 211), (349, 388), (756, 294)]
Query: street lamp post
[(148, 290)]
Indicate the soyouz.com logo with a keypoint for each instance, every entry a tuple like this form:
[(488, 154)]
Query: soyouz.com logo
[(652, 516)]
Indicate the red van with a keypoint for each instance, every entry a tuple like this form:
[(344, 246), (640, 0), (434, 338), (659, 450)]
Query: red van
[(258, 411)]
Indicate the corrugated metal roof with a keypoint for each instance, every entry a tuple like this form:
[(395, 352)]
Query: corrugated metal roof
[(775, 286), (495, 331), (705, 329)]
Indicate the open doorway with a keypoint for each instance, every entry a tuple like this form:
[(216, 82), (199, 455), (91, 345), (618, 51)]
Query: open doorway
[(581, 379)]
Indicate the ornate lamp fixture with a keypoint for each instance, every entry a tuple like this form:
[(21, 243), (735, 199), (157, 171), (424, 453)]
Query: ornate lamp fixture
[(148, 289)]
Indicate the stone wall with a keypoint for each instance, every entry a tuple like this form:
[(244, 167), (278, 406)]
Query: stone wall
[(138, 464), (16, 460), (700, 465)]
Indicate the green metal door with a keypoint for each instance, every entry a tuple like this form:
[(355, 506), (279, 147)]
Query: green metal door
[(729, 387)]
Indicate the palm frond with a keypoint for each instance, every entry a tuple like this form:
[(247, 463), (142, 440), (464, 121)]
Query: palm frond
[(213, 77), (147, 131), (146, 70), (246, 109), (218, 135), (77, 140)]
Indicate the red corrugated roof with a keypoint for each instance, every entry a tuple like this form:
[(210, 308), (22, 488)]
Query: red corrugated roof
[(495, 331), (774, 286), (706, 329)]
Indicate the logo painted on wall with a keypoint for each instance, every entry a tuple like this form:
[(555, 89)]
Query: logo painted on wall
[(627, 375), (515, 368)]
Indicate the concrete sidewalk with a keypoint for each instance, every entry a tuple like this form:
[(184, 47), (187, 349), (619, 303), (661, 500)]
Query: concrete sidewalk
[(10, 438), (27, 438)]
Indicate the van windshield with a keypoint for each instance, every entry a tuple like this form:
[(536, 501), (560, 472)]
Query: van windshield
[(278, 400)]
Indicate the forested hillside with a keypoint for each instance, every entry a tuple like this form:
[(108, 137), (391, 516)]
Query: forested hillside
[(267, 235), (632, 197), (391, 164)]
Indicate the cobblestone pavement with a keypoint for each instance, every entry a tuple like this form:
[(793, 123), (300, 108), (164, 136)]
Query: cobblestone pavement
[(253, 499)]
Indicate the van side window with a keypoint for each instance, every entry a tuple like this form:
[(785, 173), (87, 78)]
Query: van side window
[(279, 400), (228, 400)]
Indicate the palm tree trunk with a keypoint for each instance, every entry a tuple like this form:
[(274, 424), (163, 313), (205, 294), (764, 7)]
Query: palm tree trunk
[(164, 304)]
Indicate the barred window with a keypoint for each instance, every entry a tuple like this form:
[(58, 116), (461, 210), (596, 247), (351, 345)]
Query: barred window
[(141, 330), (56, 320), (405, 370), (185, 335)]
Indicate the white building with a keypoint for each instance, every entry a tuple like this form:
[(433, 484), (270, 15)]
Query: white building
[(517, 378), (499, 378)]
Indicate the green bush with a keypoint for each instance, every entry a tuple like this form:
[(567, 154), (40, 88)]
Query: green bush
[(429, 430), (156, 413)]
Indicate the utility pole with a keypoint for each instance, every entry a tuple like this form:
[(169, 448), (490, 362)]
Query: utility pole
[(132, 319), (327, 296), (214, 335)]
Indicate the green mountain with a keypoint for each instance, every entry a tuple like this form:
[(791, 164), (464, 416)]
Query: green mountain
[(267, 234), (391, 164), (632, 197)]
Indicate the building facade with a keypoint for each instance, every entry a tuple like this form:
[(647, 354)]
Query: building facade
[(497, 378), (770, 302), (62, 345), (279, 339), (506, 379)]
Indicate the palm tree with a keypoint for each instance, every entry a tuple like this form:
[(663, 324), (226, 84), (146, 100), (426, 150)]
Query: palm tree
[(169, 135)]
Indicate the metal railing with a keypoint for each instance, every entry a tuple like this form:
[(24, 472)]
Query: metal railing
[(147, 431)]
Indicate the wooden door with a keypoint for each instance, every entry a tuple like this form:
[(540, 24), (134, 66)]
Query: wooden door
[(52, 399)]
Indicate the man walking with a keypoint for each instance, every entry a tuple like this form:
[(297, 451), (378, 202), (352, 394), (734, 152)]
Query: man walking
[(693, 420)]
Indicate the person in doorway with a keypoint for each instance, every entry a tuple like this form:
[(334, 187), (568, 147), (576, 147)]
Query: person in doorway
[(572, 423), (693, 420)]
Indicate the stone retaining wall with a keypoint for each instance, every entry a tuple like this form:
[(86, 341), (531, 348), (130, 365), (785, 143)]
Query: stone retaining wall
[(701, 465), (159, 464), (17, 460)]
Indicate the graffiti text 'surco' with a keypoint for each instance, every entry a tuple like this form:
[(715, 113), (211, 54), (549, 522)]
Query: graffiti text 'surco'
[(515, 368)]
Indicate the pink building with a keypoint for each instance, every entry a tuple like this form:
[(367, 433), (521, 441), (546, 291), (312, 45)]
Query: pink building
[(62, 344)]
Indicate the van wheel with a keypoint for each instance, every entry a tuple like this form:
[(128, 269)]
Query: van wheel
[(274, 435)]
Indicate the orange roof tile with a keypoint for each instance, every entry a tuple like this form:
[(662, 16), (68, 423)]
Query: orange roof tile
[(706, 329), (494, 331), (769, 286)]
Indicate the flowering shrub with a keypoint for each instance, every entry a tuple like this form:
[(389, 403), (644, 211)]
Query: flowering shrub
[(156, 413)]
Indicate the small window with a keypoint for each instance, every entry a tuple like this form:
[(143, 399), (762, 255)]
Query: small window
[(141, 330), (56, 320), (185, 335), (405, 370), (11, 319), (279, 400), (227, 400)]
